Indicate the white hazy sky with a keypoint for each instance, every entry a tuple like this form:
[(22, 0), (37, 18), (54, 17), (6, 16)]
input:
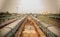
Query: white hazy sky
[(30, 6)]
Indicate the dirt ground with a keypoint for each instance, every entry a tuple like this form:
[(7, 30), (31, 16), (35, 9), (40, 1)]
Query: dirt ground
[(30, 29), (49, 21)]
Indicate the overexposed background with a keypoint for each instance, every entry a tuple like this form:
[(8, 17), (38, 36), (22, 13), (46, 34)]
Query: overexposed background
[(30, 6)]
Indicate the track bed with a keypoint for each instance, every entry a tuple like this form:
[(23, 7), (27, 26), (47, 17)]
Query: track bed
[(29, 29)]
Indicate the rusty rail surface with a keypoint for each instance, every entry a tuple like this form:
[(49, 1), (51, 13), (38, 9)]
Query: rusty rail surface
[(29, 29)]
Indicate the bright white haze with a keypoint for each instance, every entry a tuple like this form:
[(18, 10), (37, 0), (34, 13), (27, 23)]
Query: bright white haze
[(30, 6)]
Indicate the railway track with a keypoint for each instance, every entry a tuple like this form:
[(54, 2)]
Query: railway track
[(26, 27), (9, 22), (10, 29), (29, 29)]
